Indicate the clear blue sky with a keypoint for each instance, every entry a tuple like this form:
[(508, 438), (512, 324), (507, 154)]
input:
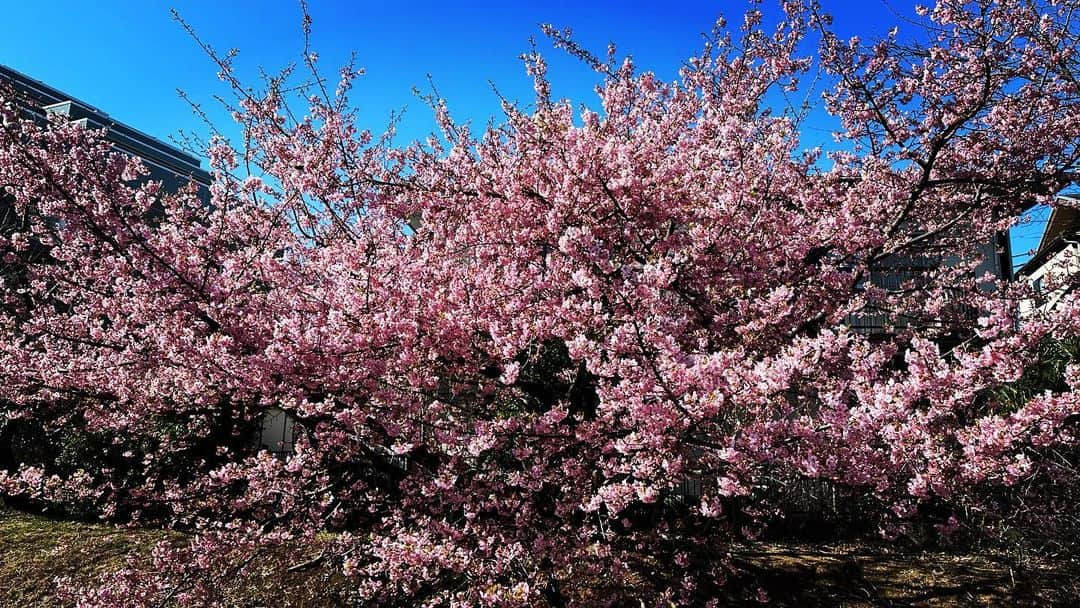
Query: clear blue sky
[(127, 57)]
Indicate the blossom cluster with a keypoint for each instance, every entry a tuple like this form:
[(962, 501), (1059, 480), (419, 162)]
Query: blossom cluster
[(508, 353)]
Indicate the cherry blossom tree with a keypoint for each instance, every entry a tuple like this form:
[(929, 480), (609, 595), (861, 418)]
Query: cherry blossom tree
[(509, 352)]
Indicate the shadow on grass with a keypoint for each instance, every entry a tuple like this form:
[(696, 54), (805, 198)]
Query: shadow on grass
[(860, 577)]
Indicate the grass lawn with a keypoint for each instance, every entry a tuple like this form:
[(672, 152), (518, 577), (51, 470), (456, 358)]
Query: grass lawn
[(35, 550)]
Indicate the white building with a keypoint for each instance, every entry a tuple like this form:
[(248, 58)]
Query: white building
[(1054, 269)]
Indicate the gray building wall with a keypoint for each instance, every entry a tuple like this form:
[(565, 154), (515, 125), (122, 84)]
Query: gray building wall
[(167, 163)]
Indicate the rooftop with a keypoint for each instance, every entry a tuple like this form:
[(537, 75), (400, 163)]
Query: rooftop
[(42, 99)]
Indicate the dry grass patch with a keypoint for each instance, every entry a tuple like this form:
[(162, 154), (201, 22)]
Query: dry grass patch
[(35, 551)]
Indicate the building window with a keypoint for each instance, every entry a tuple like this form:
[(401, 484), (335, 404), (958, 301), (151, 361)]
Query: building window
[(277, 432)]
